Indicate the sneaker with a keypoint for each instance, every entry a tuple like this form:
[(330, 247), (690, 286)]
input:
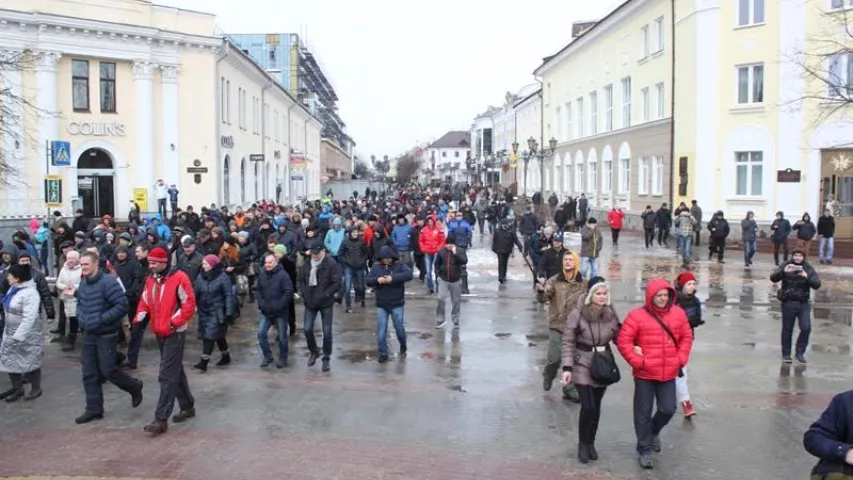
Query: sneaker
[(383, 358), (266, 363), (326, 366), (656, 443), (456, 324), (88, 417), (349, 310), (801, 359), (184, 415), (312, 359), (440, 324), (646, 461), (687, 407), (786, 359), (281, 363), (403, 350)]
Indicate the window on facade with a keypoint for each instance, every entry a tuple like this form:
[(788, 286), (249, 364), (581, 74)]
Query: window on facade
[(659, 32), (643, 177), (660, 98), (606, 176), (592, 181), (626, 102), (243, 180), (275, 124), (593, 113), (559, 119), (644, 97), (272, 55), (841, 3), (240, 107), (608, 108), (581, 119), (840, 78), (444, 154), (624, 175), (569, 122), (644, 42), (80, 85), (223, 102), (456, 154), (750, 173), (750, 84), (108, 87), (657, 175), (578, 177), (226, 180), (750, 12)]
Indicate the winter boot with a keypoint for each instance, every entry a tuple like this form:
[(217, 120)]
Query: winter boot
[(225, 359), (465, 290), (17, 390), (202, 364), (156, 427), (35, 385)]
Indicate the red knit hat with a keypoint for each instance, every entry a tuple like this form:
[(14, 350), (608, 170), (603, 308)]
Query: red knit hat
[(158, 255), (680, 280)]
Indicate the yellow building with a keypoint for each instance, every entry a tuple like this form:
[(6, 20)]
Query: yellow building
[(754, 131)]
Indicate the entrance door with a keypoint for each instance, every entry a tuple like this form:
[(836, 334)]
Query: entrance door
[(97, 195), (837, 189)]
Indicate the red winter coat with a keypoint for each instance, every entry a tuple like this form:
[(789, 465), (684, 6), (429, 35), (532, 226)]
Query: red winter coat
[(615, 218), (432, 237), (169, 303), (660, 360)]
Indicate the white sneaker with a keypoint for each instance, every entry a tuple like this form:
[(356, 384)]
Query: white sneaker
[(440, 324)]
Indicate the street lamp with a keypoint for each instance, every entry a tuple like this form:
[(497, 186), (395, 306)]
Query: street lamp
[(533, 151)]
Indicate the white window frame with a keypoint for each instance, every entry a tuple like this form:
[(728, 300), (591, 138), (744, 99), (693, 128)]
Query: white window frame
[(579, 178), (223, 113), (593, 113), (625, 176), (592, 177), (606, 176), (644, 41), (579, 103), (608, 108), (840, 74), (657, 175), (751, 70), (240, 107), (643, 177), (840, 4), (645, 101), (659, 34), (749, 160), (570, 122), (626, 102), (558, 117), (750, 18), (660, 101)]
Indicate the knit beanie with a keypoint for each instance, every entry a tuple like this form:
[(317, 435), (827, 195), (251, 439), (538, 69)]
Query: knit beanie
[(280, 249), (212, 260), (158, 255), (595, 284), (683, 278)]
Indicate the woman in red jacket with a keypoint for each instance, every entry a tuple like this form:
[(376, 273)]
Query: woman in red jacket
[(431, 240), (655, 340), (615, 219)]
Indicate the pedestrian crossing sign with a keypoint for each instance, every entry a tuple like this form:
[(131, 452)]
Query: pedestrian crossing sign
[(60, 153)]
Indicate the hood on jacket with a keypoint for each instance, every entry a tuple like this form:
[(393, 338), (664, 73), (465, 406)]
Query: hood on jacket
[(337, 222), (653, 287), (780, 214), (12, 250), (386, 252)]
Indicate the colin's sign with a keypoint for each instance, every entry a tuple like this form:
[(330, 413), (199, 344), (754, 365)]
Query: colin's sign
[(96, 129)]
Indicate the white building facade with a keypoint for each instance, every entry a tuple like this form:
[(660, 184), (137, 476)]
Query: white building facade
[(446, 157), (528, 121)]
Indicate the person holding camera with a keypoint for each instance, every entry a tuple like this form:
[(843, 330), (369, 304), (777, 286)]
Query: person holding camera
[(798, 277)]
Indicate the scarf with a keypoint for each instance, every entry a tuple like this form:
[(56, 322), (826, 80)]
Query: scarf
[(7, 300), (312, 277)]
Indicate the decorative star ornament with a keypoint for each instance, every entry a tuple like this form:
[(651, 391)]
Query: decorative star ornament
[(841, 162)]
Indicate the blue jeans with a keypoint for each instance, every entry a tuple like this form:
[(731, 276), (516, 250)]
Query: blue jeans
[(829, 243), (396, 315), (264, 325), (685, 244), (308, 327), (588, 267), (98, 361), (749, 248), (800, 313), (351, 274), (429, 262)]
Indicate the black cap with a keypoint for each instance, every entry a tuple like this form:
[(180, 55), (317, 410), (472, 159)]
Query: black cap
[(317, 248), (594, 281)]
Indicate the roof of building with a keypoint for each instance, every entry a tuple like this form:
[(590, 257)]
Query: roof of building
[(453, 139)]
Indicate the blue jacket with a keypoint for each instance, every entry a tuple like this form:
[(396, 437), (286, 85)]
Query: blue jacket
[(215, 302), (101, 304), (401, 235), (782, 230), (274, 291), (831, 436), (460, 229), (334, 239), (389, 295)]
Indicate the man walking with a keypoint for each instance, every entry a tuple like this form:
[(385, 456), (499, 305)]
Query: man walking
[(168, 302), (503, 241), (696, 212), (319, 284), (388, 278), (449, 264), (101, 305), (275, 295)]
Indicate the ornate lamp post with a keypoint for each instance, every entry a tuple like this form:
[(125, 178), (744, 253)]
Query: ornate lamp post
[(534, 151)]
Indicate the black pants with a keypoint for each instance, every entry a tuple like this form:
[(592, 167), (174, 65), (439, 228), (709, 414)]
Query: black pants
[(780, 245), (696, 240), (503, 260), (590, 414), (650, 237), (647, 393), (614, 234), (663, 236), (716, 245), (98, 361), (481, 220), (419, 262), (161, 207), (799, 313), (172, 378), (207, 346)]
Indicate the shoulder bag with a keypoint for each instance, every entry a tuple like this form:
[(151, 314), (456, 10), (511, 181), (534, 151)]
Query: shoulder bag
[(602, 368), (668, 332)]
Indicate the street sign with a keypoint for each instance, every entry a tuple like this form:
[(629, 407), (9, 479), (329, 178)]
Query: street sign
[(53, 190), (196, 169), (256, 157), (60, 153)]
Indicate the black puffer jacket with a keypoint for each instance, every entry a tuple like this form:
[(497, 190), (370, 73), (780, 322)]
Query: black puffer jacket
[(795, 287), (101, 304), (354, 253), (275, 291), (322, 295), (449, 265)]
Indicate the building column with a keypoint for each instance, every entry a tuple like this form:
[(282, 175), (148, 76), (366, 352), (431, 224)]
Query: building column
[(47, 103), (169, 112), (143, 73)]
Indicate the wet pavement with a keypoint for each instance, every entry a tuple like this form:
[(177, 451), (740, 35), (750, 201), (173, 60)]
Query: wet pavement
[(464, 404)]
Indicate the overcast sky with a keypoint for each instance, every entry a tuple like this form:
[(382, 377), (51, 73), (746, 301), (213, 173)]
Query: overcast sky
[(409, 71)]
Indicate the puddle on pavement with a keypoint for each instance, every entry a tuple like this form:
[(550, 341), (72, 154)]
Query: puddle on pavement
[(831, 349), (503, 336), (457, 388), (537, 337), (355, 356), (840, 316)]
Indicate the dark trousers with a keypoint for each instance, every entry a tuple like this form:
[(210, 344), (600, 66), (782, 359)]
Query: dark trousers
[(481, 220), (161, 207), (503, 260), (647, 393), (614, 235), (649, 236), (137, 333), (696, 240), (419, 262), (98, 359), (716, 245), (780, 245), (207, 346), (308, 327), (663, 236), (174, 207), (172, 378), (801, 313), (590, 414)]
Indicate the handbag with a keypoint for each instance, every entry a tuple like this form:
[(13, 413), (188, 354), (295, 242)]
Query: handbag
[(668, 332), (602, 367)]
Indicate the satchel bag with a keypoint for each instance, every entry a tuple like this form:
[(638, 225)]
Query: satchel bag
[(602, 368), (668, 332)]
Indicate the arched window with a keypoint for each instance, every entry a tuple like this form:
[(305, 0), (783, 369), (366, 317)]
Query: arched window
[(243, 181), (226, 180)]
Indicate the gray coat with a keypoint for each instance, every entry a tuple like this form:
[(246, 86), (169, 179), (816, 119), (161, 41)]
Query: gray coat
[(591, 242), (579, 330), (22, 347)]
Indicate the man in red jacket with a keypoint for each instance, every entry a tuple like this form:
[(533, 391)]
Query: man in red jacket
[(168, 301), (615, 219), (655, 340)]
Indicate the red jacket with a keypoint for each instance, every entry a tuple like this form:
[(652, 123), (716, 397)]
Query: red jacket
[(432, 237), (169, 303), (615, 218), (660, 360)]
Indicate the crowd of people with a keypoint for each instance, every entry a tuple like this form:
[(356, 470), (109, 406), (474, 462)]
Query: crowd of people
[(165, 273)]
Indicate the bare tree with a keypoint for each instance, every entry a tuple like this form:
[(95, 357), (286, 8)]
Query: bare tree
[(408, 167), (13, 106), (360, 169)]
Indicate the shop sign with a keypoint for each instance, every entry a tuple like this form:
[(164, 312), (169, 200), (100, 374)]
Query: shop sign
[(96, 129)]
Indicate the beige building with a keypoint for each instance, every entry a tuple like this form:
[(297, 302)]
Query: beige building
[(126, 92), (335, 162)]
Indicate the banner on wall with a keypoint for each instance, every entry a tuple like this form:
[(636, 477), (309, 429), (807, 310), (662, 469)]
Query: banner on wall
[(140, 197)]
